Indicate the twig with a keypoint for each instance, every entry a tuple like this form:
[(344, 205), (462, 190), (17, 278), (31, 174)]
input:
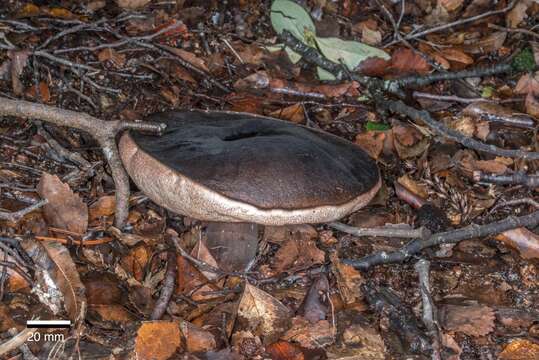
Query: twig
[(447, 237), (522, 31), (18, 270), (422, 95), (527, 201), (201, 265), (518, 178), (17, 215), (168, 287), (103, 131), (457, 23), (440, 76), (401, 319), (387, 231), (400, 107), (16, 341), (429, 309)]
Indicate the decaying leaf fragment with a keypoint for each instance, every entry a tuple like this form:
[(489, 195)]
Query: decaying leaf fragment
[(262, 314), (523, 240), (157, 340), (65, 209), (473, 320)]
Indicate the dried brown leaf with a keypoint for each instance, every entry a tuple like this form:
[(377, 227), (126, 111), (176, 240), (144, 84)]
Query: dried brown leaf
[(262, 314), (457, 55), (518, 13), (66, 278), (197, 339), (293, 113), (520, 349), (132, 4), (473, 320), (405, 61), (372, 142), (65, 209), (309, 335), (19, 59), (157, 340), (523, 240), (284, 350), (189, 57), (349, 280), (103, 207)]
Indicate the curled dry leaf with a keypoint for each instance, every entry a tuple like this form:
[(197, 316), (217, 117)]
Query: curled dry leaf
[(65, 209), (498, 113), (457, 55), (201, 252), (408, 141), (66, 278), (262, 314), (518, 13), (362, 342), (109, 55), (157, 340), (473, 320), (523, 240)]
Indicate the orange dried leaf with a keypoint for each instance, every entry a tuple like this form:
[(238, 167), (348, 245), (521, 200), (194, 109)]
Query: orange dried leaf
[(103, 207), (189, 57), (293, 113), (457, 55), (372, 142), (520, 349), (157, 340), (406, 61)]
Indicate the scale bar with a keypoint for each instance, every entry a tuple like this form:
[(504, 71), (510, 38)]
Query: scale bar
[(48, 324)]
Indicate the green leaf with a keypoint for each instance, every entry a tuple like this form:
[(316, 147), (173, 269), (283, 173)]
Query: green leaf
[(324, 74), (487, 92), (292, 55), (524, 61), (287, 15), (374, 126), (351, 53)]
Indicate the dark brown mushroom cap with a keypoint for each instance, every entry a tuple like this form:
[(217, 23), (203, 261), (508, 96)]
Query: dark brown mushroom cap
[(254, 160)]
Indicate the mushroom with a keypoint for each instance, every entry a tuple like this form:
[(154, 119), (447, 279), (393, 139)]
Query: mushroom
[(237, 170), (237, 167)]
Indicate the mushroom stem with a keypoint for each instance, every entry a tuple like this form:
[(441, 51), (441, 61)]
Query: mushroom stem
[(103, 131)]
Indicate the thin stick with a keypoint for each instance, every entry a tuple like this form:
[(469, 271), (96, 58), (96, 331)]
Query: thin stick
[(439, 128), (429, 309), (447, 237), (103, 131), (16, 341), (168, 287), (456, 23), (518, 178), (387, 231), (17, 215)]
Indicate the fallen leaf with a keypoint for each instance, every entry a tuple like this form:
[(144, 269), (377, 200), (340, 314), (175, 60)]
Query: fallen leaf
[(66, 278), (44, 92), (284, 350), (157, 340), (348, 279), (372, 142), (197, 339), (189, 57), (262, 314), (314, 307), (408, 141), (518, 13), (473, 320), (456, 55), (60, 13), (293, 113), (415, 187), (523, 240), (132, 4), (135, 261), (65, 209), (528, 83), (490, 166), (297, 252), (451, 5), (116, 59), (309, 335), (487, 44), (520, 349), (362, 342), (103, 207), (201, 252), (405, 61)]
